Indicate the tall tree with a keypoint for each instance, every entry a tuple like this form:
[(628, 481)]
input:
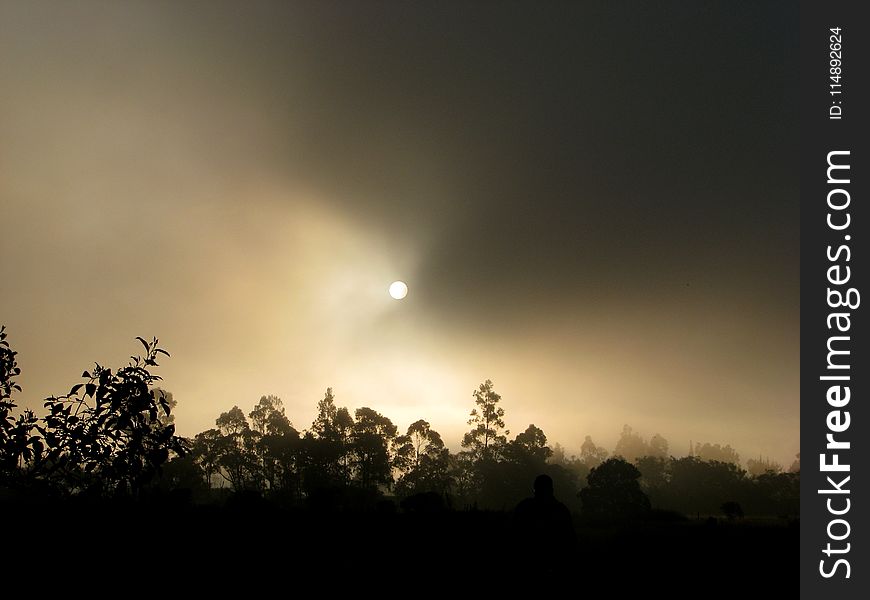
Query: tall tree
[(488, 433), (422, 460), (372, 438), (238, 459), (268, 415), (325, 449), (630, 445), (658, 446), (206, 453), (592, 455), (232, 422)]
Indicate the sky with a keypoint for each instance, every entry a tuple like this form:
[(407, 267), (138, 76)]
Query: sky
[(594, 205)]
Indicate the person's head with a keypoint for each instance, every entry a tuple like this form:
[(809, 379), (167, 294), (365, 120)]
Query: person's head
[(543, 486)]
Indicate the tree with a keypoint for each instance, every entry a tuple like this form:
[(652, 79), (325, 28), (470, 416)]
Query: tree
[(631, 445), (232, 422), (275, 443), (716, 452), (702, 486), (106, 434), (18, 444), (529, 447), (590, 454), (332, 423), (575, 467), (653, 471), (279, 451), (268, 416), (658, 446), (372, 438), (422, 460), (488, 434), (206, 453), (325, 449), (614, 491), (424, 440), (796, 465), (236, 448), (760, 466)]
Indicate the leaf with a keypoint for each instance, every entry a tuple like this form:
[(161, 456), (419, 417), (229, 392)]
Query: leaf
[(144, 343), (90, 389), (74, 389)]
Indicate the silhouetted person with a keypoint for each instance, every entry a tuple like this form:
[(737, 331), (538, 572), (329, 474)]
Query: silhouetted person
[(544, 528)]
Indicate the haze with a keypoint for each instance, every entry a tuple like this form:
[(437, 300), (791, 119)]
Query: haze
[(592, 205)]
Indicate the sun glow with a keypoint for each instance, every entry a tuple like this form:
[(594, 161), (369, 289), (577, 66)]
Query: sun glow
[(398, 290)]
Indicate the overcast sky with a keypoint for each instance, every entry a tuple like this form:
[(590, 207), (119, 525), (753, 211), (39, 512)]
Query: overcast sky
[(594, 204)]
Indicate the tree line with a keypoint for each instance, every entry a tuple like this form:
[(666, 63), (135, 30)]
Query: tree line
[(114, 434)]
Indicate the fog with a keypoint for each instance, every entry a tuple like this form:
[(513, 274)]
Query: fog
[(600, 221)]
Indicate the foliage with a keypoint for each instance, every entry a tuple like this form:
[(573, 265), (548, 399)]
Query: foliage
[(614, 491), (372, 440), (18, 444), (591, 455), (114, 432), (488, 434), (109, 434), (106, 434), (715, 452), (760, 466), (631, 445), (422, 461)]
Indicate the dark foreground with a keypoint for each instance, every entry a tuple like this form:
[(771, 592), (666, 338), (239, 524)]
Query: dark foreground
[(215, 549)]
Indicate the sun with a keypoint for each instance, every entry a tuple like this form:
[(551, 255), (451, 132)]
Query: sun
[(398, 290)]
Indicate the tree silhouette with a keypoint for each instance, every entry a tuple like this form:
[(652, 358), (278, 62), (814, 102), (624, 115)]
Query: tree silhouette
[(488, 434), (19, 447), (614, 491), (206, 453), (702, 486), (422, 460), (529, 447), (654, 474), (268, 416), (631, 445), (372, 440), (760, 466), (325, 450), (592, 455), (715, 452), (236, 450), (106, 434), (658, 446)]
